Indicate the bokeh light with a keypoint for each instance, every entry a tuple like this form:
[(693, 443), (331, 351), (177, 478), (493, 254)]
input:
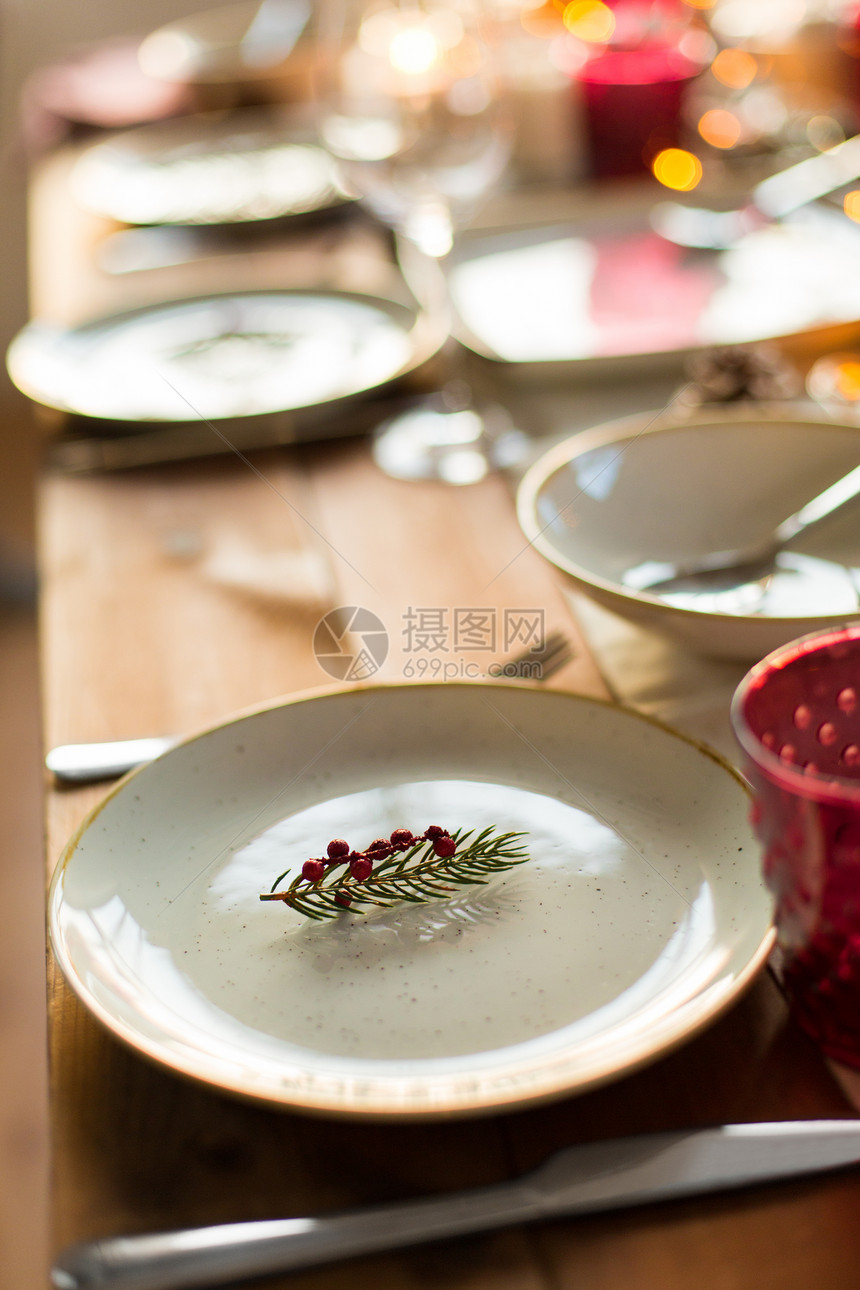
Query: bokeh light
[(765, 111), (542, 20), (851, 204), (676, 168), (720, 128), (166, 54), (735, 68), (589, 20), (411, 42), (414, 50), (835, 377), (846, 379), (698, 45), (770, 21), (824, 132)]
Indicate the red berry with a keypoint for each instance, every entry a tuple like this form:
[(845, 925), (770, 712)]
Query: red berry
[(337, 849), (435, 831), (361, 868), (341, 899), (313, 870), (402, 838), (379, 844), (444, 847)]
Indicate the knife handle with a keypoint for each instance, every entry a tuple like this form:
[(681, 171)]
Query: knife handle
[(86, 763)]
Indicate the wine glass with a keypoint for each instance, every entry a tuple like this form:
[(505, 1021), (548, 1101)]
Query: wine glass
[(409, 103)]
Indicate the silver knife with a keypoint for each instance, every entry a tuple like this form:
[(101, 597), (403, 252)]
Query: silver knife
[(85, 763), (584, 1179)]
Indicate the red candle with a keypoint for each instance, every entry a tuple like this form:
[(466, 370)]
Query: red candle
[(633, 94)]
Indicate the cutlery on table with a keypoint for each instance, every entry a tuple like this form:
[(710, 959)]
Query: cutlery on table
[(85, 763), (744, 564), (185, 441), (584, 1179), (772, 199)]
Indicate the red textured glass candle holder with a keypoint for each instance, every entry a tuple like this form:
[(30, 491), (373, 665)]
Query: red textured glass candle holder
[(633, 100), (796, 716)]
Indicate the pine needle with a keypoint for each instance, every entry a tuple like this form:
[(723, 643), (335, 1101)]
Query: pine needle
[(415, 876)]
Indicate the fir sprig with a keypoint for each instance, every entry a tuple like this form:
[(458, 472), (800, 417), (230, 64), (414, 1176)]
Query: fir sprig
[(416, 873)]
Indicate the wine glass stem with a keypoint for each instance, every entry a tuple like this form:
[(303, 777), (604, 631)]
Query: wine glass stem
[(430, 227)]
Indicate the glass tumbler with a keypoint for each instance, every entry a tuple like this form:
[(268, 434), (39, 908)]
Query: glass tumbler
[(796, 716)]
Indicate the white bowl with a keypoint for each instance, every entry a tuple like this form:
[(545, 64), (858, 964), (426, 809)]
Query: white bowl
[(652, 488)]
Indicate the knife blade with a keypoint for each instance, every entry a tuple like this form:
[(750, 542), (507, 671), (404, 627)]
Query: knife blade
[(584, 1179)]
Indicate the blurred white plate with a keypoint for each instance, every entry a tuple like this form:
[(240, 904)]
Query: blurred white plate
[(638, 918), (209, 168), (223, 356), (238, 43), (602, 288), (648, 488)]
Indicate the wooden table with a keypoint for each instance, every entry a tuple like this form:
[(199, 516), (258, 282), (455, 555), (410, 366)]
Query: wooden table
[(145, 630)]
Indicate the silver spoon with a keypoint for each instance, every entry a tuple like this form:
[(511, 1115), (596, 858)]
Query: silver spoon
[(743, 564), (772, 199)]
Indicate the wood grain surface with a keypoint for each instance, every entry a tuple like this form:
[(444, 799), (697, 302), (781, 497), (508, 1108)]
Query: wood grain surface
[(139, 637), (175, 595)]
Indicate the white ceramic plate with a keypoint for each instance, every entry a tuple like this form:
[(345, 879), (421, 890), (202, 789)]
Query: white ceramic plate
[(232, 355), (638, 918), (598, 290), (646, 488), (209, 168)]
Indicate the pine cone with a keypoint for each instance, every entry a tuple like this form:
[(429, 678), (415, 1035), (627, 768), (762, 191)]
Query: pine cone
[(735, 373)]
